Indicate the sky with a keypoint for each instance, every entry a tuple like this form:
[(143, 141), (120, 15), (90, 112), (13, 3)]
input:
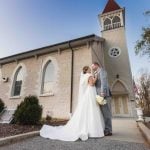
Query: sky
[(31, 24)]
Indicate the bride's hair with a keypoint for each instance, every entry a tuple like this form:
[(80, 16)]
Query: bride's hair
[(85, 69)]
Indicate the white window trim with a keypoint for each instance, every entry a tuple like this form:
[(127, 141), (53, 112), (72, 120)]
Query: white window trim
[(47, 95), (15, 97)]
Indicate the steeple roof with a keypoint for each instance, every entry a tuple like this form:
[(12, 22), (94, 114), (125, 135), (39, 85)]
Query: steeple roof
[(111, 6)]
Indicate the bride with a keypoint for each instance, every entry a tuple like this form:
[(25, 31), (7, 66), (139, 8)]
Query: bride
[(87, 120)]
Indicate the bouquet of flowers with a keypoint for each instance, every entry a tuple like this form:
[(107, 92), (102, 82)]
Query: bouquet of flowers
[(100, 100)]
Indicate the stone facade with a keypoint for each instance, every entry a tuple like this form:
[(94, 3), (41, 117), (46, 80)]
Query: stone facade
[(58, 104)]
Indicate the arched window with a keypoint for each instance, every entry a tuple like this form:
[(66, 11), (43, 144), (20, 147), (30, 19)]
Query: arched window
[(119, 88), (116, 22), (17, 83), (107, 24), (116, 19), (107, 21), (48, 77)]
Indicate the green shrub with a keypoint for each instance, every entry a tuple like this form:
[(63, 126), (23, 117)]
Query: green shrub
[(2, 105), (29, 111)]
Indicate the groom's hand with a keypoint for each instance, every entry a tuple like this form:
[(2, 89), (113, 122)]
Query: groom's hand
[(103, 94)]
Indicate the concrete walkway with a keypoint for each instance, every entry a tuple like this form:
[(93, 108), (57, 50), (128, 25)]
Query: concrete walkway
[(126, 130), (126, 136)]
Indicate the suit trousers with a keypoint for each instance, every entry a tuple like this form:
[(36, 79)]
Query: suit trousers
[(107, 114)]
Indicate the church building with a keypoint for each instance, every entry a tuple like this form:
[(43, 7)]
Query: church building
[(52, 73)]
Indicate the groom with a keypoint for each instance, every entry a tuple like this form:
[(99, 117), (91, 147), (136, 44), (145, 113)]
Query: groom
[(103, 90)]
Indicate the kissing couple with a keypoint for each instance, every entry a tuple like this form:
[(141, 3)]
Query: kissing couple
[(90, 120)]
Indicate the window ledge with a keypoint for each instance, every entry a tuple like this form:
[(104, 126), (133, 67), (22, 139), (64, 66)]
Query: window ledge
[(47, 95), (15, 97)]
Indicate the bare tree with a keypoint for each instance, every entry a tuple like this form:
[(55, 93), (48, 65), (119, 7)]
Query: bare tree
[(144, 91)]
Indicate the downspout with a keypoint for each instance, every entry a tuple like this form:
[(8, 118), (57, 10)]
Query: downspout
[(72, 68), (93, 50)]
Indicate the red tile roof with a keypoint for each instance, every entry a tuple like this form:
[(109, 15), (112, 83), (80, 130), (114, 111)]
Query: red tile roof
[(111, 6)]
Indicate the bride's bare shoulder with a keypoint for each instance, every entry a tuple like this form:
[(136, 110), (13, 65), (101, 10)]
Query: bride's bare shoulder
[(91, 80)]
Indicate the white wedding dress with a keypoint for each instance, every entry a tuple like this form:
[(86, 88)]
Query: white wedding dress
[(87, 120)]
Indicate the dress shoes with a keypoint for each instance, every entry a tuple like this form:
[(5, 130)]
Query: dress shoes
[(108, 134)]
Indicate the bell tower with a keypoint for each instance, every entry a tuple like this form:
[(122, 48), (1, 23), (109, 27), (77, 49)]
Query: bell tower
[(116, 58), (113, 16)]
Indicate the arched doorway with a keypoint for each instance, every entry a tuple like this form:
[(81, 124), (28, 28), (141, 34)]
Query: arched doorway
[(120, 98)]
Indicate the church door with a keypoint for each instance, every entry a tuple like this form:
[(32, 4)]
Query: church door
[(120, 105)]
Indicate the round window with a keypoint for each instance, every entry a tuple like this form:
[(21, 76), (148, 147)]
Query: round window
[(114, 52)]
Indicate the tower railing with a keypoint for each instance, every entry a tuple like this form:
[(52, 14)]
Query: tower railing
[(116, 24), (112, 26), (108, 27)]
